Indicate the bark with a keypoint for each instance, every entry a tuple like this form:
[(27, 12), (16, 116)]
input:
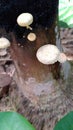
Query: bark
[(47, 93), (45, 98)]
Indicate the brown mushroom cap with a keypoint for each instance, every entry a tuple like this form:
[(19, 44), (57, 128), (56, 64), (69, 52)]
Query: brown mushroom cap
[(31, 37)]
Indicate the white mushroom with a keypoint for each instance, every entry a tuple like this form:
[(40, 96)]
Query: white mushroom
[(24, 20), (4, 44), (49, 54), (31, 37)]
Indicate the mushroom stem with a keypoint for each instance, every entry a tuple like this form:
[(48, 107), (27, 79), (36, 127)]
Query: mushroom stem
[(3, 52), (28, 27)]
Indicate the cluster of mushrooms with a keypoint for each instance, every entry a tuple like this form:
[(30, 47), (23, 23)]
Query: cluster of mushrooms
[(25, 20), (5, 78), (47, 54)]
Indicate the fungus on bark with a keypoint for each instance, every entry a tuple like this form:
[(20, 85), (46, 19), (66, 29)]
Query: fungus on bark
[(49, 54), (4, 44), (31, 37), (25, 20), (62, 58)]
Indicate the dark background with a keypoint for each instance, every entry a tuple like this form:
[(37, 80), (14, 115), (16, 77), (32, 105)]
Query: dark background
[(43, 11)]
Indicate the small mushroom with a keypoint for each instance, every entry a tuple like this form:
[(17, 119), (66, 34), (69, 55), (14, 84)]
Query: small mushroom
[(31, 37), (4, 44), (62, 58), (49, 54), (24, 20)]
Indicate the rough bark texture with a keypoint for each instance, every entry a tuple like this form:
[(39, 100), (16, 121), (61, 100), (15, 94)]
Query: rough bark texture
[(46, 95), (46, 99), (44, 113)]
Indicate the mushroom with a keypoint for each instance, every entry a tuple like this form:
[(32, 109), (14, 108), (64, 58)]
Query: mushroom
[(4, 44), (24, 20), (31, 37), (49, 54), (62, 58)]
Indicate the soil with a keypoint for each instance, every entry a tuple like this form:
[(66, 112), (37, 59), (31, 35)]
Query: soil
[(12, 98)]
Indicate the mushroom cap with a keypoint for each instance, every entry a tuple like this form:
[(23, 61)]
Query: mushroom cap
[(4, 43), (62, 58), (48, 54), (24, 19), (31, 37)]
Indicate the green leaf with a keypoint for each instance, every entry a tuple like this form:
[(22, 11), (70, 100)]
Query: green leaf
[(66, 13), (14, 121), (65, 123)]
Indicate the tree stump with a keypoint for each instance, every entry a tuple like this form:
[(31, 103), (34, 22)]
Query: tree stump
[(46, 98)]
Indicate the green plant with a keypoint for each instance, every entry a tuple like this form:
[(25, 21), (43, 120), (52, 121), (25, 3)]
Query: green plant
[(66, 123), (66, 13), (14, 121)]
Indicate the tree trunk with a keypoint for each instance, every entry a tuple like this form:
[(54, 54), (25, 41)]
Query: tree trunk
[(47, 90), (44, 88), (36, 77)]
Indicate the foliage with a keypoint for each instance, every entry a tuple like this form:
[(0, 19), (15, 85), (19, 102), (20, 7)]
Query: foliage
[(66, 13), (14, 121), (66, 123)]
